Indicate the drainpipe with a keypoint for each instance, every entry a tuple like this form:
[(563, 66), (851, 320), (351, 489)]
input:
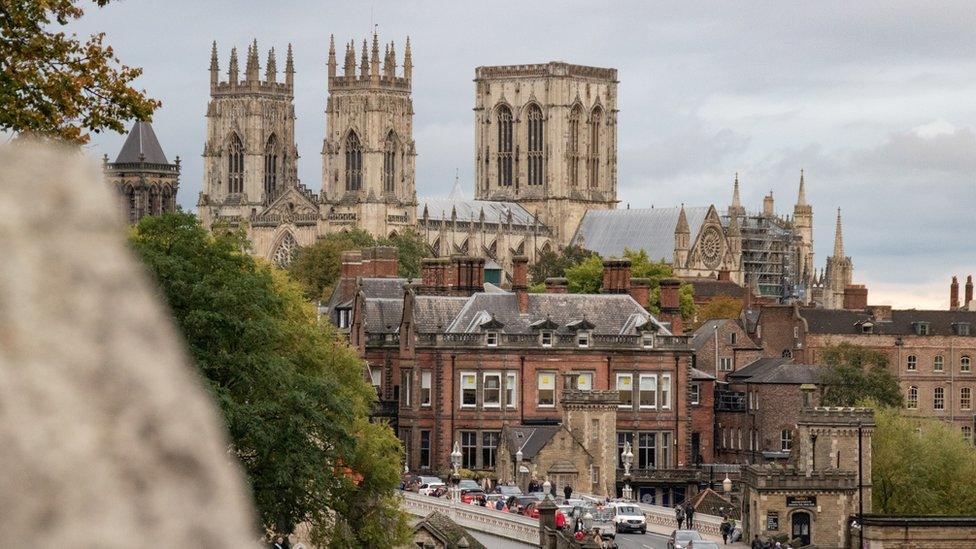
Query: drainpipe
[(716, 351), (521, 390), (453, 404)]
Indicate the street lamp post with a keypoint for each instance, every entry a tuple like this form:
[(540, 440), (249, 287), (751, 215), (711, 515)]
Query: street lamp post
[(456, 476), (518, 463), (627, 457), (547, 488)]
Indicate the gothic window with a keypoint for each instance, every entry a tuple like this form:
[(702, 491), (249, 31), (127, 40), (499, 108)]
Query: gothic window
[(271, 167), (153, 201), (573, 146), (167, 200), (130, 202), (596, 117), (354, 163), (389, 162), (235, 165), (536, 143), (285, 252), (505, 152)]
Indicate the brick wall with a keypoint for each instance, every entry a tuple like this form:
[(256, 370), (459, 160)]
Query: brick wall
[(741, 353)]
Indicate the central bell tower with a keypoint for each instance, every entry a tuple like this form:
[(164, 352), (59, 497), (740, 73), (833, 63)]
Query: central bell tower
[(368, 152)]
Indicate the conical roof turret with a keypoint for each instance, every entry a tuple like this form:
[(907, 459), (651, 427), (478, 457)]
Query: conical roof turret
[(838, 238)]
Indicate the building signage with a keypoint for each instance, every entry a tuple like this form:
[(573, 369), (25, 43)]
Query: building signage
[(801, 501), (772, 521)]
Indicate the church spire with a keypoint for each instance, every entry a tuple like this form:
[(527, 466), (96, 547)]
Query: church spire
[(332, 56), (364, 65), (289, 68), (838, 239), (801, 199), (350, 66), (214, 68), (682, 226), (232, 70), (271, 68), (253, 70), (407, 62), (736, 209), (374, 60)]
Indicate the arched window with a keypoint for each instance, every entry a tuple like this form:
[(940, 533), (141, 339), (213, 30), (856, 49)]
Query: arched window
[(235, 165), (271, 167), (389, 162), (573, 145), (965, 364), (536, 142), (354, 163), (938, 398), (938, 363), (285, 252), (505, 156), (131, 207), (912, 400), (153, 201), (596, 117), (167, 200)]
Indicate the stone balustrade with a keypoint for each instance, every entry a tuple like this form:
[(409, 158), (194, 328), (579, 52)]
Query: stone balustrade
[(664, 516), (475, 517)]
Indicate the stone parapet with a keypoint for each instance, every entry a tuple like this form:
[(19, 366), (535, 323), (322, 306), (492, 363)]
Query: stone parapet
[(791, 479), (836, 416)]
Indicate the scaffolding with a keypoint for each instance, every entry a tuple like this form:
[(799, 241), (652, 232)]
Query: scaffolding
[(770, 256)]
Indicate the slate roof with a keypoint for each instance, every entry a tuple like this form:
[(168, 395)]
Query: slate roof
[(141, 141), (839, 321), (431, 314), (698, 375), (449, 531), (705, 333), (531, 439), (383, 315), (778, 371), (439, 209), (610, 232), (611, 314), (345, 290)]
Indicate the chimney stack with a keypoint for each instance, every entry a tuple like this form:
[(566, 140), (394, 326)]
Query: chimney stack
[(954, 294), (725, 275), (557, 286), (671, 304), (616, 276), (969, 291), (352, 264), (855, 297), (467, 275), (520, 282), (640, 290), (768, 210)]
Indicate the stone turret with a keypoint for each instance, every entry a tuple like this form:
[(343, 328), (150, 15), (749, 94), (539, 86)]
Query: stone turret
[(682, 239)]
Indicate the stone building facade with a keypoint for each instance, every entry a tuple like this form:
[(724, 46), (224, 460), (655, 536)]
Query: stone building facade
[(814, 496), (144, 180), (546, 137)]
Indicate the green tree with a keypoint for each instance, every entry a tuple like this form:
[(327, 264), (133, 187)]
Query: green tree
[(411, 248), (855, 373), (721, 306), (943, 483), (553, 264), (317, 267), (586, 277), (52, 84), (291, 391)]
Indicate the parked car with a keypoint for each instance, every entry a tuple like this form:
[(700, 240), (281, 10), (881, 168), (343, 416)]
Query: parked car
[(468, 484), (531, 510), (703, 544), (507, 491), (680, 539), (473, 495), (429, 485), (628, 517)]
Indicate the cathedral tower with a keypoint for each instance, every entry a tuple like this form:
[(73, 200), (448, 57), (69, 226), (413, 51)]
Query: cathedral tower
[(145, 181), (803, 228), (249, 158), (546, 137), (839, 272), (368, 152)]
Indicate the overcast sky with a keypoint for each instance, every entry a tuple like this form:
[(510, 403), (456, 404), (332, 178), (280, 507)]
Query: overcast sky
[(875, 100)]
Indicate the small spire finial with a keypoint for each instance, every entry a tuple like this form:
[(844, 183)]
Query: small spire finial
[(801, 199), (232, 69), (838, 238)]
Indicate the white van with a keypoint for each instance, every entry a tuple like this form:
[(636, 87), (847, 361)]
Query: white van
[(628, 517)]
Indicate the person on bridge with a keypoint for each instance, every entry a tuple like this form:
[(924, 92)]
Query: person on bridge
[(679, 515), (725, 528), (560, 520), (690, 515), (568, 492)]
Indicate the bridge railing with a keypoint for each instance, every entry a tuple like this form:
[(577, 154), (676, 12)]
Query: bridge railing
[(664, 516), (475, 517)]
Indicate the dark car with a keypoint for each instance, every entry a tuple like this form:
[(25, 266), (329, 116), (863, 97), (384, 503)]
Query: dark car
[(680, 538)]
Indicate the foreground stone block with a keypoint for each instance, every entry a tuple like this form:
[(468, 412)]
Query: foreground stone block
[(107, 438)]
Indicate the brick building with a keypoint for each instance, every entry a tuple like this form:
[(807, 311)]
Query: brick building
[(463, 360), (931, 352), (723, 346)]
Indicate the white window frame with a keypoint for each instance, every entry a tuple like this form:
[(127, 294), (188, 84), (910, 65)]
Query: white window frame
[(345, 315), (583, 339), (911, 363), (786, 440), (967, 433), (965, 398), (588, 385), (966, 364), (725, 364), (376, 377), (652, 378), (491, 339), (539, 388), (647, 341), (630, 382), (938, 363), (497, 403), (695, 393), (426, 384), (546, 338), (473, 376), (938, 403), (665, 388), (511, 389), (911, 400)]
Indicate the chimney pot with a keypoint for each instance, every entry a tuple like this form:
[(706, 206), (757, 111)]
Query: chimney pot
[(616, 276), (856, 297), (557, 286), (671, 304), (520, 282), (640, 290), (969, 290)]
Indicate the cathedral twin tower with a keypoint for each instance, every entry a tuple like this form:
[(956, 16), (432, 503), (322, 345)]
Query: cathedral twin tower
[(250, 155)]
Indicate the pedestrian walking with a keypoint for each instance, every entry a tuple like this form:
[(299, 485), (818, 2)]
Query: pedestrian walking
[(725, 528), (757, 543), (568, 491), (679, 515), (690, 515)]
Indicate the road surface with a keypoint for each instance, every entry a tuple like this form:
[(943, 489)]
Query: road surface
[(649, 540)]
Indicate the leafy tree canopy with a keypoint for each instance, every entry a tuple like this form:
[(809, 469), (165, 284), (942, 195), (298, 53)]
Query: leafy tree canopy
[(292, 392), (721, 306), (855, 373), (52, 84), (921, 467), (553, 264)]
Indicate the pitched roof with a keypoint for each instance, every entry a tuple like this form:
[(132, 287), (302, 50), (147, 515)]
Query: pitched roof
[(345, 290), (439, 209), (706, 333), (841, 321), (610, 314), (383, 315), (778, 371), (530, 439), (698, 375), (610, 232), (449, 531), (141, 146), (432, 314)]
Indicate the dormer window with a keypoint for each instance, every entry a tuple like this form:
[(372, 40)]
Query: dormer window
[(960, 328), (546, 339), (491, 339), (921, 328), (344, 315), (583, 339), (647, 341), (867, 328)]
